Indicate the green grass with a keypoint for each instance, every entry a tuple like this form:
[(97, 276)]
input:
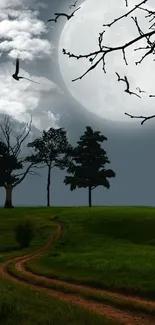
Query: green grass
[(21, 305), (10, 218), (106, 247), (124, 304)]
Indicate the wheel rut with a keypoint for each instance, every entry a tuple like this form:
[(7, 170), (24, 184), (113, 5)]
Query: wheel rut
[(126, 317)]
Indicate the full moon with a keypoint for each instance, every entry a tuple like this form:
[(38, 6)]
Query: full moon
[(99, 92)]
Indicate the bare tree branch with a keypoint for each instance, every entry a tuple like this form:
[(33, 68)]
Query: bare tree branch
[(126, 14), (145, 118), (30, 172), (24, 175), (20, 138), (150, 46), (33, 173), (14, 150), (150, 13), (6, 131), (63, 14), (104, 51), (140, 91), (98, 56), (127, 85)]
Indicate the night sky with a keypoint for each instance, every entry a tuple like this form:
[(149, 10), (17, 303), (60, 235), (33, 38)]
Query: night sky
[(130, 148)]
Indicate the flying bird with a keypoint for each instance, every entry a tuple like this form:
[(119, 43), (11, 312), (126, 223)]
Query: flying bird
[(140, 91), (63, 14), (73, 5), (15, 75)]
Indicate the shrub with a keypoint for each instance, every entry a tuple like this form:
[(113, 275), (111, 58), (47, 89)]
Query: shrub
[(24, 233)]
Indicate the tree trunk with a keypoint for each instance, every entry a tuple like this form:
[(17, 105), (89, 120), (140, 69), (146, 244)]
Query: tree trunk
[(8, 199), (89, 196), (48, 186)]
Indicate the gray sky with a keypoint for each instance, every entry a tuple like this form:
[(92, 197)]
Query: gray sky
[(58, 102)]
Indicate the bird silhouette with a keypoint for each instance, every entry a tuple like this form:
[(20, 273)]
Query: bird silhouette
[(73, 5), (15, 75), (58, 14)]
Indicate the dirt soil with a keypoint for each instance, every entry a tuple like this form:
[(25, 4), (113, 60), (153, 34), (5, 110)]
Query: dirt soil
[(126, 317)]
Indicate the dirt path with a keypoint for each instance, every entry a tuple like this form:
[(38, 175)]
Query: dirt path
[(125, 317)]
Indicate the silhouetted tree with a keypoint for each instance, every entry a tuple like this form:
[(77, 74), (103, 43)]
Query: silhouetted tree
[(88, 163), (50, 150), (144, 42), (10, 159)]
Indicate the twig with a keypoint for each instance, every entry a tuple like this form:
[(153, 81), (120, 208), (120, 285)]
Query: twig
[(63, 14), (145, 118), (126, 14), (127, 85), (104, 51), (140, 91)]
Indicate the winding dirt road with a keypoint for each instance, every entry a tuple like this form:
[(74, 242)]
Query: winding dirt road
[(125, 317)]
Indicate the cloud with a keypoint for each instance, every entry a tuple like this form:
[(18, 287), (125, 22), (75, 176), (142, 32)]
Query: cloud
[(22, 33), (22, 99), (46, 120), (37, 5)]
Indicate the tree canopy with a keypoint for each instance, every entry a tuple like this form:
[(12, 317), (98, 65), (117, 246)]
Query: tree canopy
[(10, 158), (88, 163), (50, 150)]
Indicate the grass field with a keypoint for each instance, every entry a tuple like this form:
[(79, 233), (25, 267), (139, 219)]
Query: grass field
[(10, 218), (110, 247), (106, 247), (19, 304)]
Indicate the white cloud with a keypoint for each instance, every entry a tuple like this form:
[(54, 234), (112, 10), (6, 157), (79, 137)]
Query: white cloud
[(24, 35), (21, 31), (47, 120), (9, 3), (22, 98), (39, 5)]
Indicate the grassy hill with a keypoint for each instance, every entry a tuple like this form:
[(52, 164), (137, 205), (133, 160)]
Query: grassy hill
[(105, 247)]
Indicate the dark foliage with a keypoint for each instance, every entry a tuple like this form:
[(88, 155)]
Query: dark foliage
[(50, 150), (24, 233), (87, 165), (10, 158)]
